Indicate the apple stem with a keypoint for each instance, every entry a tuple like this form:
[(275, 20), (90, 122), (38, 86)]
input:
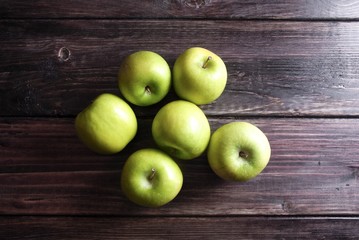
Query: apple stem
[(148, 90), (152, 175), (206, 62), (243, 154)]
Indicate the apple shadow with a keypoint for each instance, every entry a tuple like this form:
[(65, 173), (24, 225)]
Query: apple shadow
[(199, 181)]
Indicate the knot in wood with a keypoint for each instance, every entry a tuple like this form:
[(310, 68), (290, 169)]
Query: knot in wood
[(195, 3), (64, 54), (286, 206)]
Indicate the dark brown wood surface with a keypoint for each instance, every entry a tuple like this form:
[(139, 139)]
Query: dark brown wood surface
[(275, 68), (293, 71), (233, 9), (143, 228), (313, 170)]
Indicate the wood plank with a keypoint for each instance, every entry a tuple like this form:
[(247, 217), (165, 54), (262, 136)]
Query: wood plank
[(230, 9), (313, 170), (275, 68), (177, 228)]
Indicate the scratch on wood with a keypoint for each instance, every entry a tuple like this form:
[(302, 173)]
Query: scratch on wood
[(33, 199)]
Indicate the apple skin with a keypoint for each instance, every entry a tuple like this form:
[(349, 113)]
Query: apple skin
[(151, 178), (181, 129), (238, 151), (195, 79), (144, 78), (107, 125)]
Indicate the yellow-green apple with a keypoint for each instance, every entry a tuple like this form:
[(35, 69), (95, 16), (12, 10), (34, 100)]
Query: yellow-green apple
[(107, 125), (199, 76), (181, 129), (238, 151), (144, 78), (151, 178)]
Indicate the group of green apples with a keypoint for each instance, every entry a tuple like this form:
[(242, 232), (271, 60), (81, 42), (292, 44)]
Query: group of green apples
[(151, 177)]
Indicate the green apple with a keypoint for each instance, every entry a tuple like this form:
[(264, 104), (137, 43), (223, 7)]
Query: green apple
[(238, 151), (181, 129), (144, 78), (199, 76), (151, 178), (107, 125)]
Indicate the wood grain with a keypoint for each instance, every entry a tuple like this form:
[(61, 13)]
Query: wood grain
[(275, 68), (313, 171), (177, 228), (197, 9), (293, 71)]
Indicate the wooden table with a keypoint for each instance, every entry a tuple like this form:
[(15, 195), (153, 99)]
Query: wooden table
[(293, 71)]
